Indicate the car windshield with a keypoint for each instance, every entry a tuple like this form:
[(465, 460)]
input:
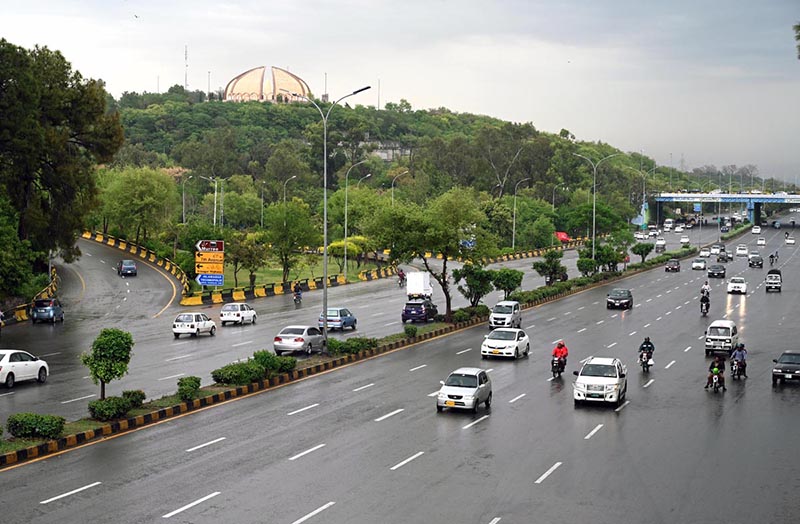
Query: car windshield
[(43, 303), (619, 293), (503, 310), (699, 261), (717, 331), (128, 263), (185, 317), (291, 331), (414, 305), (789, 358), (737, 280), (333, 312), (462, 381), (230, 307), (599, 370), (502, 335)]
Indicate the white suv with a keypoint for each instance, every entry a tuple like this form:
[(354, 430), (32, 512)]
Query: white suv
[(505, 314), (601, 379)]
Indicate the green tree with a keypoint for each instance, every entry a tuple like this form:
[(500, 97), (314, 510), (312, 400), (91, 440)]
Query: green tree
[(642, 249), (507, 280), (587, 266), (550, 267), (543, 232), (111, 353), (289, 229), (477, 282)]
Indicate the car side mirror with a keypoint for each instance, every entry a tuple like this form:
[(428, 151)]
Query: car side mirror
[(622, 375), (441, 382), (485, 336), (775, 360), (575, 373), (481, 385)]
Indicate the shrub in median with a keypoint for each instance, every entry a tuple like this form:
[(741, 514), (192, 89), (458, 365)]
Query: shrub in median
[(410, 331), (109, 408), (353, 345), (273, 363), (188, 388), (135, 396), (239, 373), (459, 315), (33, 425)]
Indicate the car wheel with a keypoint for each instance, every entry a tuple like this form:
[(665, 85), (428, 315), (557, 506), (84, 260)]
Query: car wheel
[(516, 353), (483, 357), (223, 323), (176, 335), (42, 378), (527, 350), (253, 321), (196, 332), (10, 380), (488, 401), (353, 326), (278, 353), (475, 406), (62, 319), (308, 349), (577, 402), (439, 408), (213, 331), (774, 380)]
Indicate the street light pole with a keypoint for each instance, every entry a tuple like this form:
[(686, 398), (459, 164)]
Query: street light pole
[(263, 183), (215, 196), (362, 178), (395, 178), (594, 195), (284, 200), (183, 187), (324, 116), (514, 221), (345, 214)]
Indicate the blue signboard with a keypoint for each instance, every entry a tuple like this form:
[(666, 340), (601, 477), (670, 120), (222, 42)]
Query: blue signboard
[(698, 207), (206, 279)]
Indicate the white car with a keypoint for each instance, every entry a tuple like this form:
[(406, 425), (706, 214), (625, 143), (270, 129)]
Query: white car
[(465, 388), (789, 241), (17, 365), (661, 241), (601, 379), (756, 230), (737, 285), (699, 263), (741, 250), (193, 324), (761, 241), (685, 240), (640, 235), (678, 229), (237, 313), (506, 342), (704, 252)]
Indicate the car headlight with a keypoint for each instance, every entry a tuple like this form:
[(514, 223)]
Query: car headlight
[(579, 387), (442, 396), (469, 397), (611, 387), (776, 370)]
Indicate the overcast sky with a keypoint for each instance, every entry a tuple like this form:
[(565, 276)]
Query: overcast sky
[(709, 81)]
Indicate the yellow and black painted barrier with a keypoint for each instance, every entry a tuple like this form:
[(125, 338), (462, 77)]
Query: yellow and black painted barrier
[(21, 313)]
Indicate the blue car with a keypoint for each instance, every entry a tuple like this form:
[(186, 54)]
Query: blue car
[(338, 318), (47, 310)]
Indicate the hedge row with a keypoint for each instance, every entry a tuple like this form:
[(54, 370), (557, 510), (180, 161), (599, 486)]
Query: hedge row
[(33, 425), (466, 313), (557, 288), (261, 366), (735, 231), (110, 408), (663, 258), (351, 345)]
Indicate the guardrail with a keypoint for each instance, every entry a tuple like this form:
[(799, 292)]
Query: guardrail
[(21, 313)]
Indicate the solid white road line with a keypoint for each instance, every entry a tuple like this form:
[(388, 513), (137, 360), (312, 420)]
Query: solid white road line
[(6, 394), (242, 344), (631, 333), (669, 365), (365, 387), (622, 406), (204, 445), (393, 413), (419, 367), (592, 432), (190, 505), (302, 409), (77, 399), (406, 461), (463, 351), (93, 484), (547, 473), (306, 452), (647, 385), (516, 398), (687, 349), (315, 512), (172, 376), (177, 358), (581, 330), (475, 422), (611, 345)]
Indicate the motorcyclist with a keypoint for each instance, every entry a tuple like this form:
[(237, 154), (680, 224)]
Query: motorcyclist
[(705, 302), (771, 258), (740, 355), (561, 352), (297, 291), (719, 364), (647, 346), (706, 289), (401, 276)]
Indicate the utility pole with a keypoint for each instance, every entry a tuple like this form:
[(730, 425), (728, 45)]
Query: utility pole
[(186, 69)]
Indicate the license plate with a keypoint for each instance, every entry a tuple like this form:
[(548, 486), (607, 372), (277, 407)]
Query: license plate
[(449, 403), (496, 351), (595, 395), (788, 376)]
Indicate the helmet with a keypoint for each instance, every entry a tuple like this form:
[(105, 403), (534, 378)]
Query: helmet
[(715, 371), (560, 344), (647, 339)]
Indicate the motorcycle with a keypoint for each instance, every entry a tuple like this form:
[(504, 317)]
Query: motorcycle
[(298, 299), (646, 360), (557, 366), (716, 382), (401, 281), (737, 369), (704, 308)]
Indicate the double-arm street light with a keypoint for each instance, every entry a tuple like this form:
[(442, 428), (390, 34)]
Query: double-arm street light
[(514, 221), (284, 199), (345, 214), (214, 179), (362, 178), (324, 116), (395, 178), (594, 195), (183, 187)]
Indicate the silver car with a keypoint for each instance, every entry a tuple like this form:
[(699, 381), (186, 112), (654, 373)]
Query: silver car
[(298, 338), (465, 388)]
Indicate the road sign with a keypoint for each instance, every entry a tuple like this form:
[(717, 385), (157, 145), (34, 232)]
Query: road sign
[(210, 280), (210, 245), (209, 267), (209, 256)]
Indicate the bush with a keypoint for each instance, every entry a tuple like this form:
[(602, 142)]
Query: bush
[(33, 425), (135, 396), (460, 315), (410, 331), (286, 364), (272, 363), (481, 310), (352, 345), (188, 388), (239, 373), (109, 408)]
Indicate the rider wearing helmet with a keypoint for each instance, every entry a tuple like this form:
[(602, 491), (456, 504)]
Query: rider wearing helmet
[(740, 354), (561, 351), (717, 364), (705, 301), (647, 346)]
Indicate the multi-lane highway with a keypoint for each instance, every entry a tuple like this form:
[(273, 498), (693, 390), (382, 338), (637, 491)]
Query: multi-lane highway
[(365, 443)]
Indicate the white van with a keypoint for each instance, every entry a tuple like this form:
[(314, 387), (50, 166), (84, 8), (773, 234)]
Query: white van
[(721, 335), (668, 223), (506, 314)]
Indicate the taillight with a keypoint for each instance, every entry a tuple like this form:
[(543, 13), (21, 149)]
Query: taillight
[(276, 339), (191, 326), (299, 339)]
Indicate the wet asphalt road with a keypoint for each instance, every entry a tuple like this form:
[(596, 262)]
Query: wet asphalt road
[(365, 443)]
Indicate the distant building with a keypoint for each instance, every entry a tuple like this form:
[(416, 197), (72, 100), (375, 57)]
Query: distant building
[(254, 85)]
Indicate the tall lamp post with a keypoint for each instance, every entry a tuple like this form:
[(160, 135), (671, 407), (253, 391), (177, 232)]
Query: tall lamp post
[(215, 196), (284, 199), (514, 221), (263, 183), (395, 178), (345, 215), (594, 194), (183, 190), (324, 116), (362, 178)]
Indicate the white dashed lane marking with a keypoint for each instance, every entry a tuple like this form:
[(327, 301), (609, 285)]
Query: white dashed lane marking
[(669, 365), (547, 473), (647, 385), (592, 432)]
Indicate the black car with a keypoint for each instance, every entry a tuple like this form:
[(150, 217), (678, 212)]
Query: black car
[(716, 271), (673, 264), (619, 298), (126, 268), (724, 229), (419, 310), (756, 261), (787, 367)]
